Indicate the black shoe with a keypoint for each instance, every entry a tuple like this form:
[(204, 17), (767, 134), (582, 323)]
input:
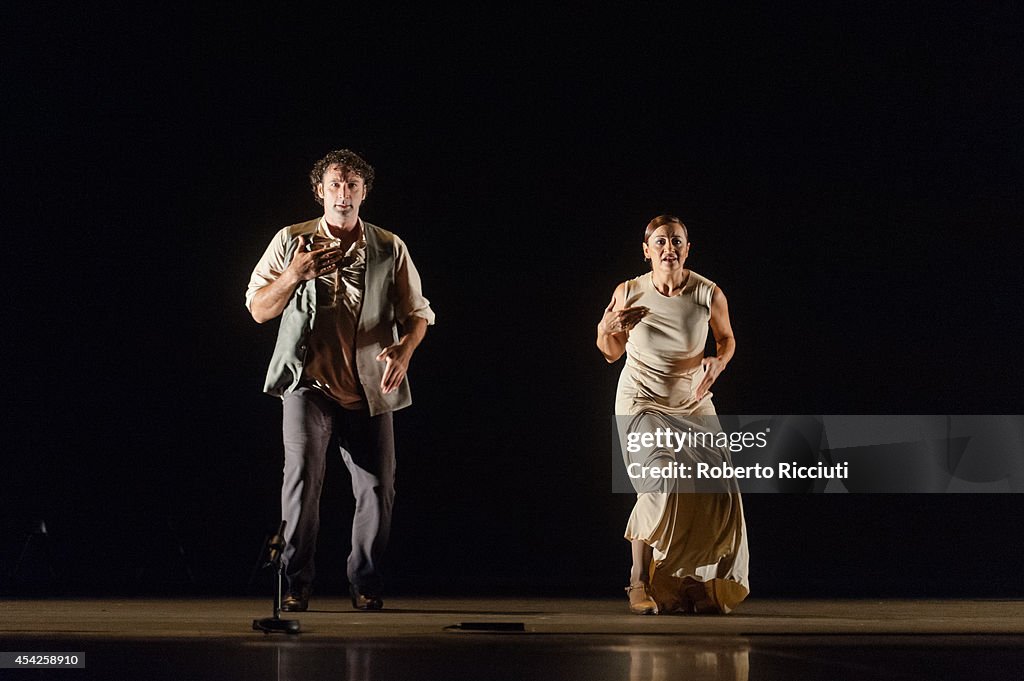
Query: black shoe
[(295, 601), (362, 601)]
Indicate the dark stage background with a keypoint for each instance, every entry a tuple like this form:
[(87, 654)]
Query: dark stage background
[(850, 176)]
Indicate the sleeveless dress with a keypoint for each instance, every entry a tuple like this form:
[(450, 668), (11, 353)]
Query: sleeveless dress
[(699, 539)]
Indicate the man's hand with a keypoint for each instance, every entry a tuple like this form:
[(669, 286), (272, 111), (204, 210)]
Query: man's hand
[(397, 357), (306, 265), (270, 301)]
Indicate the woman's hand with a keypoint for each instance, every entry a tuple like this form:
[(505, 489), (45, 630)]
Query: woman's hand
[(616, 323), (712, 368), (621, 321), (725, 343)]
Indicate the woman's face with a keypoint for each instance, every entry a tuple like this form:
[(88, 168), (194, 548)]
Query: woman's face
[(667, 248)]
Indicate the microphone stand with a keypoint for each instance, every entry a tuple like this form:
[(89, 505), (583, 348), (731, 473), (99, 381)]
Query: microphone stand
[(271, 624)]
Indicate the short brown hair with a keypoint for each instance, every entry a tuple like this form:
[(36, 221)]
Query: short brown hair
[(657, 222)]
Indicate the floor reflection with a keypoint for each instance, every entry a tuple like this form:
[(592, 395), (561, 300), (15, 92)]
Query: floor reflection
[(496, 657), (516, 656), (696, 662)]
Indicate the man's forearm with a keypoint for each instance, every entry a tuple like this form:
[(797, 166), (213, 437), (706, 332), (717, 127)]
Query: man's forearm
[(413, 331), (270, 301)]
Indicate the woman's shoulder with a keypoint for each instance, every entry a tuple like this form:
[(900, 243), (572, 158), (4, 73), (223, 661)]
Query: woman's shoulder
[(697, 279), (637, 280), (635, 285), (701, 287)]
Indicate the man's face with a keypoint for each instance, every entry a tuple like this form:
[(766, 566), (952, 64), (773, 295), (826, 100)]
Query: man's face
[(342, 193)]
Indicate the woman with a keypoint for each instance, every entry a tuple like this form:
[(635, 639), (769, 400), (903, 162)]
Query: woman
[(689, 549)]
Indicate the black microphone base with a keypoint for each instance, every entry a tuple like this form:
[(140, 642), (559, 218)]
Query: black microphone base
[(272, 624)]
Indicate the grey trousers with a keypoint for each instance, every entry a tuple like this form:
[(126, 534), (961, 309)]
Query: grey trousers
[(313, 424)]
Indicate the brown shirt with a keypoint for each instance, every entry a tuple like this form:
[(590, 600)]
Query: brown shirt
[(330, 361), (332, 343)]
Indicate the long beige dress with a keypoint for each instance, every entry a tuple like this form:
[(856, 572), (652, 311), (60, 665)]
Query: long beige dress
[(699, 539)]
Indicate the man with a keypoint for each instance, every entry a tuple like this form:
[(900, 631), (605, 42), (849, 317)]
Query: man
[(352, 314)]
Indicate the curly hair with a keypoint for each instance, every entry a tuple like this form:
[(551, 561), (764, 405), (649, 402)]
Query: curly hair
[(350, 162), (653, 225)]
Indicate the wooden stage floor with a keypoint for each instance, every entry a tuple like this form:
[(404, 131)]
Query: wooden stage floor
[(539, 638)]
